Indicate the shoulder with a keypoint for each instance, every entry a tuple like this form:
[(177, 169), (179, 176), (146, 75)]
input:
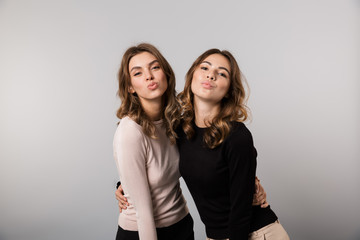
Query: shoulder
[(128, 131), (239, 144), (239, 134), (129, 122)]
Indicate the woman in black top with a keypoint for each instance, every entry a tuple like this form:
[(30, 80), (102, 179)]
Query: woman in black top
[(217, 156)]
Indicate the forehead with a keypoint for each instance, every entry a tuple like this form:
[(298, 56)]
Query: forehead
[(141, 59), (218, 60)]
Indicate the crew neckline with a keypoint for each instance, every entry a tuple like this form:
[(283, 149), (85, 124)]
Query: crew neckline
[(157, 122), (202, 128)]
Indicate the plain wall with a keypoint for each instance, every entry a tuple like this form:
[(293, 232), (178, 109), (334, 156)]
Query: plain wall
[(58, 66)]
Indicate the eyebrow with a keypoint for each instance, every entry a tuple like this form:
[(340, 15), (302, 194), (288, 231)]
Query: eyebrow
[(151, 63), (224, 68)]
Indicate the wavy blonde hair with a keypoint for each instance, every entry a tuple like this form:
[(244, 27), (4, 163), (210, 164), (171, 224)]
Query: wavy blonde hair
[(233, 106), (130, 103)]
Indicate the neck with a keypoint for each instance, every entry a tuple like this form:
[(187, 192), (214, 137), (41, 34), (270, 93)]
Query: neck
[(153, 109), (205, 112)]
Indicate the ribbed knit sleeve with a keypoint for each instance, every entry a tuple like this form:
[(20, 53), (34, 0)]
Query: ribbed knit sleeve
[(241, 157), (130, 148)]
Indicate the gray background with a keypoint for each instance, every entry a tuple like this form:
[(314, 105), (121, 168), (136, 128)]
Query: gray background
[(58, 65)]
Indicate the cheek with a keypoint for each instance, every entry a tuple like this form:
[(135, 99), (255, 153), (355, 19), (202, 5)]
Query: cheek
[(166, 85), (164, 81), (196, 76), (225, 88), (196, 79), (226, 85), (137, 85), (193, 86), (134, 84)]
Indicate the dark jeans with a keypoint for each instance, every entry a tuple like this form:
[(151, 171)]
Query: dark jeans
[(182, 230)]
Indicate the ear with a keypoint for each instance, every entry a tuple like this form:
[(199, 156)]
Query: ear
[(131, 90)]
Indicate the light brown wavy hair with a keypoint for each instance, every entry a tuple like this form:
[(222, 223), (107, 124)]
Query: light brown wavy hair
[(233, 105), (130, 103)]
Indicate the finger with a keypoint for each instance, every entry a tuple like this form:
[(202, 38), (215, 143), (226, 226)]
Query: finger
[(264, 195), (124, 198), (264, 205), (120, 196), (260, 197), (257, 180), (120, 209), (117, 196), (121, 190), (257, 184), (261, 189), (255, 201), (122, 205)]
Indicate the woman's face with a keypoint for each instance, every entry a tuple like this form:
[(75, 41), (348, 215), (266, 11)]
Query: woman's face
[(148, 80), (211, 79)]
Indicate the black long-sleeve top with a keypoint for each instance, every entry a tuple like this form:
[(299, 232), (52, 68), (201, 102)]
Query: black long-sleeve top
[(221, 182)]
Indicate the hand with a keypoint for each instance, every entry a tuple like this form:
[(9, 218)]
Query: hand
[(260, 195), (119, 194)]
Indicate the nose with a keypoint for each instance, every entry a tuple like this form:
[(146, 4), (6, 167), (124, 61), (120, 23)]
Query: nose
[(211, 76), (149, 76)]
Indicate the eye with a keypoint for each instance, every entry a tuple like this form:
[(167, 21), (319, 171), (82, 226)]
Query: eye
[(204, 68), (137, 74), (156, 67), (223, 75)]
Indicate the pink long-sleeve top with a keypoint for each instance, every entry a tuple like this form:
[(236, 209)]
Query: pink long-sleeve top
[(149, 174)]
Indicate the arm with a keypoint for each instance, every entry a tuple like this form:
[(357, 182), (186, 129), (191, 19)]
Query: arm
[(258, 199), (130, 148), (241, 158)]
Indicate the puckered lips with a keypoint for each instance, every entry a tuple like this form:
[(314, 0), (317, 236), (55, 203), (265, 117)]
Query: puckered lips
[(207, 85), (153, 85)]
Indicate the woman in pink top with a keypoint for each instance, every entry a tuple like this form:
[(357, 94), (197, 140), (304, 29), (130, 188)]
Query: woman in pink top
[(145, 151)]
